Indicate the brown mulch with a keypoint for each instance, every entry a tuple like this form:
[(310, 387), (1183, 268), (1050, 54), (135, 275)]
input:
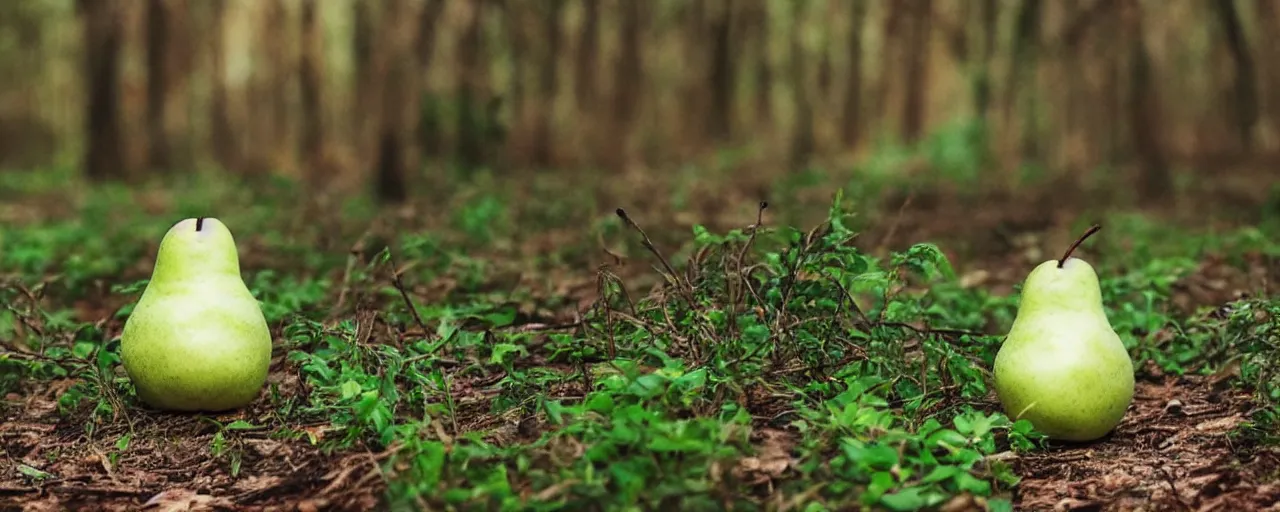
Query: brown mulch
[(169, 463), (1173, 451)]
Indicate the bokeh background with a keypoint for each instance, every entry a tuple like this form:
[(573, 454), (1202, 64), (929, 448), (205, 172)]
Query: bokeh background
[(1137, 98)]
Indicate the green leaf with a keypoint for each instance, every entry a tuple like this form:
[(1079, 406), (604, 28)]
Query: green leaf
[(501, 318), (500, 351), (941, 473), (947, 437), (350, 389), (32, 472), (910, 498)]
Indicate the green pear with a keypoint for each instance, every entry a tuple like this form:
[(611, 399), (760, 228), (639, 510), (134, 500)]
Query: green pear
[(197, 339), (1062, 366)]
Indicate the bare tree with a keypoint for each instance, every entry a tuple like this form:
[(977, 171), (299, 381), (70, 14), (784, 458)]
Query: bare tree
[(104, 129)]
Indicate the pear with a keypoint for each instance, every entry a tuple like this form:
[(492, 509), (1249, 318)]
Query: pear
[(1062, 366), (197, 339)]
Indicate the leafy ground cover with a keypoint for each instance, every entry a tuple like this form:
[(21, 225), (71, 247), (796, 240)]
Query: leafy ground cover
[(639, 350)]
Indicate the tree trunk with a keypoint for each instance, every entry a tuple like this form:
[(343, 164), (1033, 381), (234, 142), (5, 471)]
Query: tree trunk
[(1154, 180), (370, 71), (588, 50), (104, 129), (310, 81), (427, 126), (1269, 57), (628, 75), (720, 80), (1245, 94), (543, 143), (470, 129), (917, 70), (399, 87), (169, 65), (982, 90), (1026, 50), (802, 135), (268, 121), (759, 41), (851, 119), (157, 45), (226, 149)]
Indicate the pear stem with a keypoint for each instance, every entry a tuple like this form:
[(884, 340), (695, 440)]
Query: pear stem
[(199, 223), (1092, 229)]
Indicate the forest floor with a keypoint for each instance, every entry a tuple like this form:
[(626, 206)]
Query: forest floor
[(489, 348)]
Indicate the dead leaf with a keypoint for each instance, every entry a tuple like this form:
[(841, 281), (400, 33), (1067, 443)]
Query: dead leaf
[(1220, 425), (184, 500)]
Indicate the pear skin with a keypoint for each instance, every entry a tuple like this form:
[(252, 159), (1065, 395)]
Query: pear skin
[(1062, 366), (197, 339)]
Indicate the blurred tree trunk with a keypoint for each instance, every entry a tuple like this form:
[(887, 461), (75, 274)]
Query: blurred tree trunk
[(548, 84), (103, 34), (851, 118), (1145, 119), (720, 80), (584, 84), (917, 69), (1026, 51), (169, 58), (269, 117), (1081, 106), (312, 143), (470, 151), (367, 102), (1245, 94), (758, 38), (893, 48), (802, 134), (627, 80), (226, 147), (693, 95), (987, 13), (428, 127), (1269, 57), (592, 129), (514, 24), (400, 87)]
